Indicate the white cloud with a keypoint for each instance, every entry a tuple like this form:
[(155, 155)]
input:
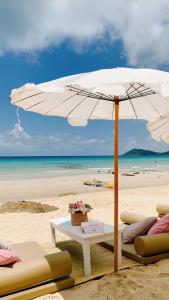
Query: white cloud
[(19, 142), (18, 132), (16, 141), (78, 140), (142, 26)]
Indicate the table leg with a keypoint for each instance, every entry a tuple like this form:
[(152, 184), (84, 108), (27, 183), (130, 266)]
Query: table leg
[(86, 258), (53, 238)]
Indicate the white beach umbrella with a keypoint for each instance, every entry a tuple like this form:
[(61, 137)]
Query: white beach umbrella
[(141, 93)]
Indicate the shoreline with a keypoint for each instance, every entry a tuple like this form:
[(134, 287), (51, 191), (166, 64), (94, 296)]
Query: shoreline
[(37, 188), (40, 174)]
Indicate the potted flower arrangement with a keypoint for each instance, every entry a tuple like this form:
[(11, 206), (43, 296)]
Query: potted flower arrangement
[(79, 212)]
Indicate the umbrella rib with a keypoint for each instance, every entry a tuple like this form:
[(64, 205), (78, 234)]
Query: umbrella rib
[(93, 109), (151, 131), (65, 100), (77, 93), (133, 108), (27, 109), (132, 104), (137, 93), (29, 97), (35, 105), (159, 126), (140, 86), (89, 94), (76, 106), (132, 86), (110, 98), (137, 96), (80, 91), (153, 107), (159, 119)]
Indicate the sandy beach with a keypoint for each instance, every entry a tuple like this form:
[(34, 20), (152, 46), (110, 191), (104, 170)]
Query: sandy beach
[(139, 193), (39, 188)]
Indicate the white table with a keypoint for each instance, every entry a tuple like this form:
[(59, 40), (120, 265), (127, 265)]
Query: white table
[(64, 225)]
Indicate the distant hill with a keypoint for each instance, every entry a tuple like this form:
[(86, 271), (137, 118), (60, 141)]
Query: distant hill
[(142, 152)]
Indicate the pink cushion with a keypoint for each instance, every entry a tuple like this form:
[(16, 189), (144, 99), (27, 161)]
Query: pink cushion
[(161, 226), (8, 257)]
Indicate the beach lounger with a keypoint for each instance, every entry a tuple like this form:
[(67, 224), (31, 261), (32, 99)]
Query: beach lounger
[(38, 274), (146, 249), (156, 245)]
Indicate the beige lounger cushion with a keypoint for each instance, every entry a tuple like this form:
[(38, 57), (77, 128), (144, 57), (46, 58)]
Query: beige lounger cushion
[(129, 251), (37, 267), (130, 218), (152, 244), (41, 290), (162, 208)]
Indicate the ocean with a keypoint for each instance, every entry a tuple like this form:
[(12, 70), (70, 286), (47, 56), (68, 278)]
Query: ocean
[(52, 166)]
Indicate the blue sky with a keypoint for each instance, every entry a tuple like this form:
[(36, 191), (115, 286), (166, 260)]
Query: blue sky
[(98, 44)]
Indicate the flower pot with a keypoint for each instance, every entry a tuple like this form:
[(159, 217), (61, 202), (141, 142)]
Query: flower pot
[(77, 218)]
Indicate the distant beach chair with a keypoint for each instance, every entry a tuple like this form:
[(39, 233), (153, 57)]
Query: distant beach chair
[(128, 174), (93, 182), (98, 183), (109, 185)]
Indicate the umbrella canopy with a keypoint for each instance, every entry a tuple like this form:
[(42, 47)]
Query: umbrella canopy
[(159, 129), (141, 93)]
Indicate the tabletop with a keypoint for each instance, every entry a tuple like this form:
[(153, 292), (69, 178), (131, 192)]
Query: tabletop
[(64, 225)]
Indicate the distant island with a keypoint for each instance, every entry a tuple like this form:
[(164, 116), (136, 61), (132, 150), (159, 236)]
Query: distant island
[(142, 152)]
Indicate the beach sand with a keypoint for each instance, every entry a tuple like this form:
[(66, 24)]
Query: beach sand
[(37, 188), (139, 194)]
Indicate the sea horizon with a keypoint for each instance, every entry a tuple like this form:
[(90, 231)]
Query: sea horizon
[(24, 167)]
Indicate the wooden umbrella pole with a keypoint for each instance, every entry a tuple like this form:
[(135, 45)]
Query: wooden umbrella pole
[(116, 133)]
